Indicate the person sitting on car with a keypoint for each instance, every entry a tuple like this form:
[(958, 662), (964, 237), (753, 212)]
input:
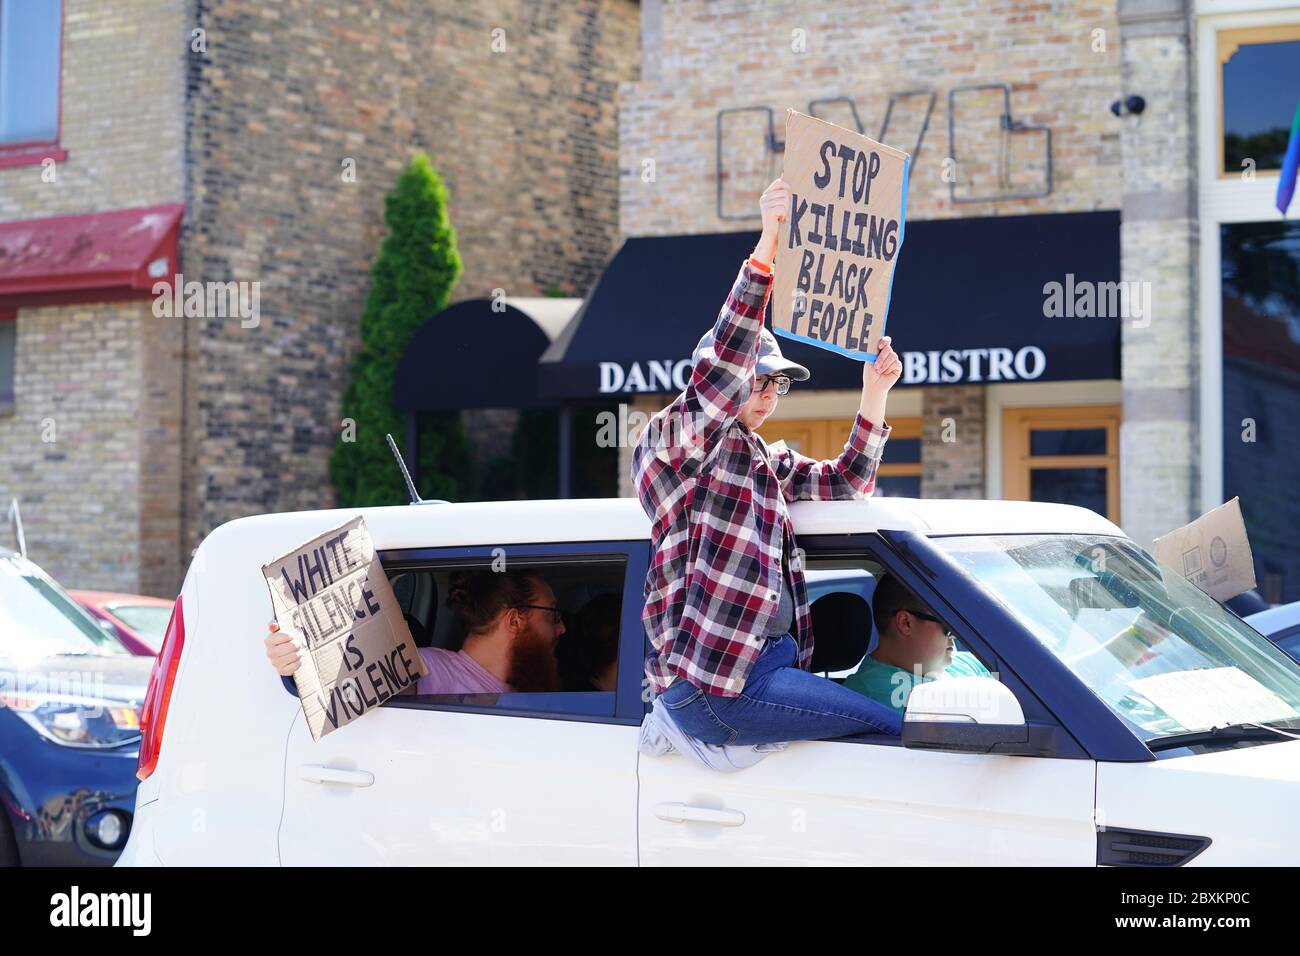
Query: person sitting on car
[(915, 646), (511, 626)]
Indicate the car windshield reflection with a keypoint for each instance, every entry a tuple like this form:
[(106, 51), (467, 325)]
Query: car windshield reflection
[(1157, 650)]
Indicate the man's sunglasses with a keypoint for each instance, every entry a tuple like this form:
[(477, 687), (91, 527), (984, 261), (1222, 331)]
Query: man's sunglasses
[(947, 631), (782, 383), (556, 616)]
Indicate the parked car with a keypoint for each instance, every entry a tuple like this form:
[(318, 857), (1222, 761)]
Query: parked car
[(1131, 720), (1281, 625), (1247, 603), (70, 694), (139, 621)]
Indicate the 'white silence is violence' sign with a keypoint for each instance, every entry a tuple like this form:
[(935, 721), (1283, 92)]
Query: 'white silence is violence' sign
[(332, 596)]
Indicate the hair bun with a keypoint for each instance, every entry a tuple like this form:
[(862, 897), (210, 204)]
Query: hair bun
[(479, 595)]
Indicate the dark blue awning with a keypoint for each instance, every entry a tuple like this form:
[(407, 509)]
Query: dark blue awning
[(469, 356), (968, 305)]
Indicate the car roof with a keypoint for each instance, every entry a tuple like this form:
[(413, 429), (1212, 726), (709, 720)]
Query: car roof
[(621, 519), (1275, 619), (106, 598)]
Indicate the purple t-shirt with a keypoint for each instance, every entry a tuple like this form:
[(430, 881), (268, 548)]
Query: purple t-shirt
[(455, 672)]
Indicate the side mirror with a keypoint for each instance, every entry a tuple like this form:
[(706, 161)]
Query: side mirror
[(966, 714)]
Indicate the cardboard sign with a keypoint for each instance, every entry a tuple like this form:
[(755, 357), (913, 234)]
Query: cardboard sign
[(1201, 699), (1212, 552), (841, 238), (332, 596)]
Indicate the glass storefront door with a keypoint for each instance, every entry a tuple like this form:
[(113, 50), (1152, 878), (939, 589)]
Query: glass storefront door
[(1261, 394), (1068, 455)]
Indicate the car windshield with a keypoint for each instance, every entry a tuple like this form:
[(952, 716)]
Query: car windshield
[(148, 620), (37, 619), (1161, 653)]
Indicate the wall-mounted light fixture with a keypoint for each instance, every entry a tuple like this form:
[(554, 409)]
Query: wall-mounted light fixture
[(1129, 106)]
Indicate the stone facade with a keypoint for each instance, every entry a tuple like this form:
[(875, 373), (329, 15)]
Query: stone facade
[(1159, 444), (952, 442)]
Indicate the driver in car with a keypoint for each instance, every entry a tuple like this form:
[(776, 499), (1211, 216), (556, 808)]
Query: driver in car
[(915, 646)]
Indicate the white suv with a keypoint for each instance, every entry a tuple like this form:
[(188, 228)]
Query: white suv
[(1132, 721)]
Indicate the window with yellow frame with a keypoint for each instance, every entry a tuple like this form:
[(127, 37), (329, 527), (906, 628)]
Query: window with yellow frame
[(1065, 455), (1259, 85)]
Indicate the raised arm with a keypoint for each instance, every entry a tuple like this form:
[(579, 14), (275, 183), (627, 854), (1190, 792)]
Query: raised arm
[(684, 434), (853, 473)]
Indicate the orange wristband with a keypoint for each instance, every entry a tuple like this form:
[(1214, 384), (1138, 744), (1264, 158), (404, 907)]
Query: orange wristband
[(760, 266)]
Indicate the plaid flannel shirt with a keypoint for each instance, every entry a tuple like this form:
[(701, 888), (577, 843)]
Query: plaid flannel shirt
[(716, 498)]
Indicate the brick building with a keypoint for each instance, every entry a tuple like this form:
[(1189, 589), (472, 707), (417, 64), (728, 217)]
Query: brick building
[(259, 140), (1006, 108), (253, 143)]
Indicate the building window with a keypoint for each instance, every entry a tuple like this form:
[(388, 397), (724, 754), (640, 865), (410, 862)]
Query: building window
[(8, 349), (1260, 272), (1259, 83), (1065, 455), (822, 438), (31, 40)]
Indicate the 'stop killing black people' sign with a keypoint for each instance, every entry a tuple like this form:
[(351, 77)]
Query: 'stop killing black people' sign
[(841, 238), (333, 597)]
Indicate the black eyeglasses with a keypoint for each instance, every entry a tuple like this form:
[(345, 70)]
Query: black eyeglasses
[(556, 617), (947, 631), (782, 383)]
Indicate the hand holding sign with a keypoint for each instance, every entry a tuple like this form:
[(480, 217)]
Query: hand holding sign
[(282, 651), (338, 628), (883, 373), (839, 241), (772, 207)]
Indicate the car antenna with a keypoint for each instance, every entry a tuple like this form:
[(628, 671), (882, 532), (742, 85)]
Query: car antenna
[(406, 476), (16, 523)]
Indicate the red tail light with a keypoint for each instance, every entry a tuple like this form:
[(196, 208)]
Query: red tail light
[(153, 716)]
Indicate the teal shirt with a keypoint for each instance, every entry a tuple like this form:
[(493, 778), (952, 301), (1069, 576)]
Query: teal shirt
[(892, 685)]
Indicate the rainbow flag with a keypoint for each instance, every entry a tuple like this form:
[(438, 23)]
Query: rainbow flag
[(1290, 162)]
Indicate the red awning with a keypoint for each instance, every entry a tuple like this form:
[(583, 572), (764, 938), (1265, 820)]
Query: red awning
[(89, 258)]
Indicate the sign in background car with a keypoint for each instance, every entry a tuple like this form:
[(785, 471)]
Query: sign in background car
[(69, 726), (1087, 748)]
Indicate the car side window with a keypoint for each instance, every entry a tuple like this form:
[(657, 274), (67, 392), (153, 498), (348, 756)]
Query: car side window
[(844, 594), (521, 631)]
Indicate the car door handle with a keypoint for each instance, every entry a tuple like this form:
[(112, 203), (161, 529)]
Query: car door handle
[(315, 773), (683, 813)]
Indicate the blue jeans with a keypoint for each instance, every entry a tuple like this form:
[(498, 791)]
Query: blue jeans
[(779, 702)]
